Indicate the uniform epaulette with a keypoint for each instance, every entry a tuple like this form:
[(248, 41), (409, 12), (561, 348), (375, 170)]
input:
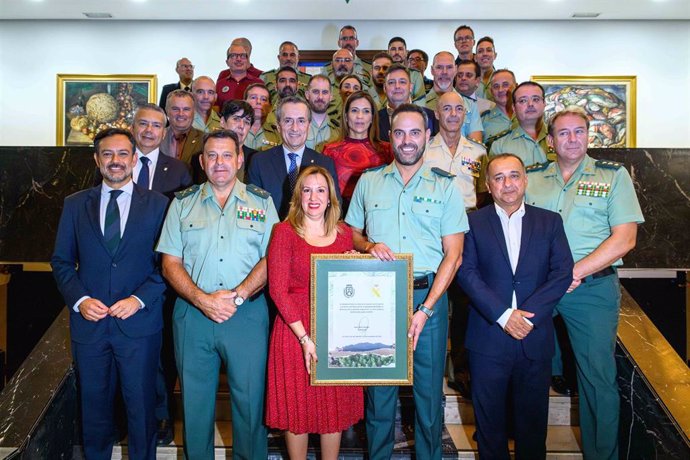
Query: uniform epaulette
[(442, 172), (486, 112), (537, 167), (375, 168), (477, 143), (608, 164), (182, 194), (254, 190), (496, 136)]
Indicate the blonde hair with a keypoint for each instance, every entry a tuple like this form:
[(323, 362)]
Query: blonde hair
[(296, 213)]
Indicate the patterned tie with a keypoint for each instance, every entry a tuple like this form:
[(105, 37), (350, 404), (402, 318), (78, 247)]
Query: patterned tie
[(111, 229), (143, 180), (292, 172)]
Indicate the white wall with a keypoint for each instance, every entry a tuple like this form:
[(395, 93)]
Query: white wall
[(33, 52)]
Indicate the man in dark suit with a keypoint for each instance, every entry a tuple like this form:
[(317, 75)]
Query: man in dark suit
[(108, 274), (276, 170), (185, 70), (398, 89), (516, 266)]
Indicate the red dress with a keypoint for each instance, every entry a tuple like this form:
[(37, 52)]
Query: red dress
[(292, 403), (354, 156)]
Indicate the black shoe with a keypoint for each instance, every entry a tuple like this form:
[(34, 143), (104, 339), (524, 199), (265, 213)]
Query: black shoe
[(165, 432), (560, 385)]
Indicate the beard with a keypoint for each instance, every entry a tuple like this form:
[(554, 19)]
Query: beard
[(409, 159)]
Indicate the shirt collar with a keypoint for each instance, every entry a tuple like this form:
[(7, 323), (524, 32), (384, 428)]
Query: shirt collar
[(152, 155), (518, 213), (299, 152), (128, 188)]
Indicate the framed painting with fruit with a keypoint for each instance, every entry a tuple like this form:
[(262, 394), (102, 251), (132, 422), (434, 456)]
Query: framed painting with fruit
[(87, 104)]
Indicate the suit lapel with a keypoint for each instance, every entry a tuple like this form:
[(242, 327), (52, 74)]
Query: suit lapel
[(160, 171), (495, 223), (527, 226), (135, 207), (308, 158), (93, 209)]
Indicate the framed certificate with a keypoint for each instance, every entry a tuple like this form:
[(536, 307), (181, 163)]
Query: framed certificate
[(361, 309)]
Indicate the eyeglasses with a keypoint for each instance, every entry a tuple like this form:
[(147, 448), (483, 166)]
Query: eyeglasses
[(415, 59), (464, 38), (349, 39), (527, 100), (343, 60), (237, 55)]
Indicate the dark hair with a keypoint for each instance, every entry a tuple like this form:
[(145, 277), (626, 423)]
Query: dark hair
[(222, 134), (255, 85), (501, 156), (286, 68), (397, 66), (486, 39), (373, 131), (462, 27), (397, 39), (319, 76), (235, 105), (477, 69), (382, 54), (422, 52), (528, 83), (291, 100), (347, 77), (503, 70), (347, 27), (285, 43), (110, 132), (410, 108)]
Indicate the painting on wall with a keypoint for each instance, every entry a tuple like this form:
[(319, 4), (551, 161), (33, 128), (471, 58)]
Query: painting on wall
[(610, 104), (88, 104)]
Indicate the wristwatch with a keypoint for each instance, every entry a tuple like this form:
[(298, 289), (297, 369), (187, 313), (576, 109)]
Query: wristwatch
[(427, 311), (239, 300)]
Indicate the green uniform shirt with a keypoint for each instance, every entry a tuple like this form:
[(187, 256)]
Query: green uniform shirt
[(319, 136), (212, 123), (408, 219), (360, 68), (218, 246), (495, 121), (520, 143), (598, 196), (269, 78)]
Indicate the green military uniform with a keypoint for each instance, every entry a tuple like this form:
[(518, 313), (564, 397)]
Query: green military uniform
[(212, 123), (269, 78), (411, 219), (418, 91), (496, 124), (472, 121), (519, 143), (219, 247), (598, 196), (329, 131), (484, 89), (265, 138)]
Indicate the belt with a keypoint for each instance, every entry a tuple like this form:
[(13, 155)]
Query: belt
[(423, 282), (600, 274)]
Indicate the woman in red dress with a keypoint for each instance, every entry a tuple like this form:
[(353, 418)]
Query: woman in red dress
[(292, 404), (361, 148)]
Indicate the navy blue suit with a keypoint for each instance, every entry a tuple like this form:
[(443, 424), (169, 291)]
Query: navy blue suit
[(500, 364), (112, 349), (268, 171), (167, 89), (385, 123)]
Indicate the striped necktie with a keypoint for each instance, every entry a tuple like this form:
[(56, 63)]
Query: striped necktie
[(111, 229)]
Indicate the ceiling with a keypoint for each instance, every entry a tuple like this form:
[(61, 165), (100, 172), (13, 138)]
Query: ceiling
[(341, 10)]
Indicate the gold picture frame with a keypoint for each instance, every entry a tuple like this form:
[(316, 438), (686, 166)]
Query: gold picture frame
[(361, 310), (610, 103), (87, 104)]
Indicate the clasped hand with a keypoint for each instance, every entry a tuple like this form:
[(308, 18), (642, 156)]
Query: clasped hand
[(219, 306), (95, 310), (516, 326)]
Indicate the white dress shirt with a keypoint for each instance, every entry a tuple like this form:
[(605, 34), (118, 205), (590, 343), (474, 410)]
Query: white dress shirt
[(512, 232), (298, 158), (153, 160)]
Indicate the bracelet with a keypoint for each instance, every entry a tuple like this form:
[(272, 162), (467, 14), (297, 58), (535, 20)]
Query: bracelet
[(304, 339)]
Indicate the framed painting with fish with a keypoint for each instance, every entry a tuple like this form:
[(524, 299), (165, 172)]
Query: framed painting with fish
[(610, 104), (87, 104)]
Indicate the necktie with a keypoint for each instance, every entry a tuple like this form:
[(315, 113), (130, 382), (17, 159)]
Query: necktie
[(111, 229), (143, 179), (292, 171), (187, 88)]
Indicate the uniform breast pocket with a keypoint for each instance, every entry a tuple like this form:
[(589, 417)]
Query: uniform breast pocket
[(249, 235), (193, 235), (427, 217), (591, 213), (596, 204), (378, 215)]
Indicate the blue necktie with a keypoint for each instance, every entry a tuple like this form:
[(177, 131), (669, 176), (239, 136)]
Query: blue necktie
[(143, 180), (292, 171), (111, 229)]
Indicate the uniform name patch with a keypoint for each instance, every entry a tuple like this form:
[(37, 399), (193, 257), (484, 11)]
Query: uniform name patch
[(422, 199), (257, 215), (596, 189)]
